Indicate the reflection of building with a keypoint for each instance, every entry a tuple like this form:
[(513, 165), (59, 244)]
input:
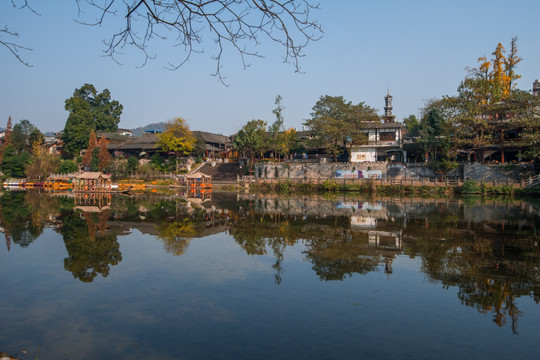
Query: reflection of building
[(385, 240), (94, 203), (199, 180), (363, 222)]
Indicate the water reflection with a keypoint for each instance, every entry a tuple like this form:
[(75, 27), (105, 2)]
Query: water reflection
[(487, 249)]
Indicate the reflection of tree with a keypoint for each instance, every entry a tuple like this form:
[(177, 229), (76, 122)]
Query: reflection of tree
[(176, 235), (492, 260), (16, 219), (331, 248), (90, 252), (336, 254)]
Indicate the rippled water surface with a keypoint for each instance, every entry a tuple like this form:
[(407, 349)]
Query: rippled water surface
[(263, 277)]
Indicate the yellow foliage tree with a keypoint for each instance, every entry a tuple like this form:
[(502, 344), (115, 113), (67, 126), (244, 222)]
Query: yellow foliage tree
[(177, 138), (493, 80)]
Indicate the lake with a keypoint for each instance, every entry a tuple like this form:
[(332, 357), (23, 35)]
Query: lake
[(244, 276)]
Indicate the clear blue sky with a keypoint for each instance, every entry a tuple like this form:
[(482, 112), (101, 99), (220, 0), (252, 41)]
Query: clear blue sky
[(417, 49)]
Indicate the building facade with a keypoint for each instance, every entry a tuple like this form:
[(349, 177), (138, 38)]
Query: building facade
[(384, 139)]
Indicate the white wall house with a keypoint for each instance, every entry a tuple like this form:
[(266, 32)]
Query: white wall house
[(383, 143)]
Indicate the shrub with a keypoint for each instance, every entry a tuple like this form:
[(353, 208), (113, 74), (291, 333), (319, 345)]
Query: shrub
[(132, 164), (469, 187), (329, 185), (284, 187)]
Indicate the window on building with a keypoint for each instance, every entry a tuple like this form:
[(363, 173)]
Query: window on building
[(387, 136)]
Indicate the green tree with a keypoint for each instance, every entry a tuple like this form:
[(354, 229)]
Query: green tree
[(68, 166), (132, 164), (177, 138), (431, 133), (25, 135), (90, 252), (13, 163), (251, 140), (89, 110), (275, 130), (412, 126), (336, 123)]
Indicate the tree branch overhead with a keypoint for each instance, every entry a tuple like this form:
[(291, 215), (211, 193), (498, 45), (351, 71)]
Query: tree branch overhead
[(197, 26)]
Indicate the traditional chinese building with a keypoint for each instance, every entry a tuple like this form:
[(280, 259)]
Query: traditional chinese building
[(384, 139)]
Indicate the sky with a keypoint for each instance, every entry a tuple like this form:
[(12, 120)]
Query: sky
[(416, 50)]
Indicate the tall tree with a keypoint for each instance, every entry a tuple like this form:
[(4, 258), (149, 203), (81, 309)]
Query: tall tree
[(177, 138), (92, 144), (104, 155), (25, 135), (336, 123), (431, 133), (89, 110), (487, 103), (275, 130), (251, 139)]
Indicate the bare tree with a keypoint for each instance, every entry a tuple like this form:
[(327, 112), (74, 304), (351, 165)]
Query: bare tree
[(239, 24)]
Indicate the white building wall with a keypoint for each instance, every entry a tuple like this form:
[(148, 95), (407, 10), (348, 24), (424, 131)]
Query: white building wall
[(362, 155)]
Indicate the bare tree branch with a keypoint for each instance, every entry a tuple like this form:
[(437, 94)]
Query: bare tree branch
[(14, 47), (234, 23)]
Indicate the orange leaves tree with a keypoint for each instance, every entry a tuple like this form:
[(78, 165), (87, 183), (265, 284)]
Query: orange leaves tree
[(92, 144), (96, 157), (104, 157)]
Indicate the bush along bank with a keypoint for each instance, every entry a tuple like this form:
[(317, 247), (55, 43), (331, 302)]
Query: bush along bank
[(473, 187), (469, 187), (332, 186)]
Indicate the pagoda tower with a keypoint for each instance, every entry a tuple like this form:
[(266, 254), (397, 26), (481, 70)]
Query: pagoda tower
[(536, 87), (388, 117)]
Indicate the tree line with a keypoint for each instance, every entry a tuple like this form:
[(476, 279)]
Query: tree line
[(487, 110)]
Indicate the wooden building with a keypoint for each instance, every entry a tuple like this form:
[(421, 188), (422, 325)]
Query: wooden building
[(198, 180), (92, 182)]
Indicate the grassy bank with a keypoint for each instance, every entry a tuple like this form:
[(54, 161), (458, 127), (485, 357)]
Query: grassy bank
[(332, 186)]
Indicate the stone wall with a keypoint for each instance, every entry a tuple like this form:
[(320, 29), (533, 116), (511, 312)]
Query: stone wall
[(318, 171), (497, 172), (311, 171)]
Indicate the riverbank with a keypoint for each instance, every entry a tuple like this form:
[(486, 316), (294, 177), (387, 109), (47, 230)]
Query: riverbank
[(369, 186)]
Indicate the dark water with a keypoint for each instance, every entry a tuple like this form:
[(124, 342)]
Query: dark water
[(251, 277)]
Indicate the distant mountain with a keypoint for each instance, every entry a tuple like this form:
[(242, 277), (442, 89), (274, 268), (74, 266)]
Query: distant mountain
[(141, 129)]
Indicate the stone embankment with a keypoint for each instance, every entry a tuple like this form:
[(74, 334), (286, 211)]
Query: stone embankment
[(406, 174)]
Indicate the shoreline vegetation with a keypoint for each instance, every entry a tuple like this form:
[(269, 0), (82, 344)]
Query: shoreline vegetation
[(371, 187)]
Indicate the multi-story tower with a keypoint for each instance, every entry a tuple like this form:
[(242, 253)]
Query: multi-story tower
[(388, 117), (536, 87)]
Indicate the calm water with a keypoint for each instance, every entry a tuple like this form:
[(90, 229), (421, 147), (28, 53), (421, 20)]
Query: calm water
[(252, 277)]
